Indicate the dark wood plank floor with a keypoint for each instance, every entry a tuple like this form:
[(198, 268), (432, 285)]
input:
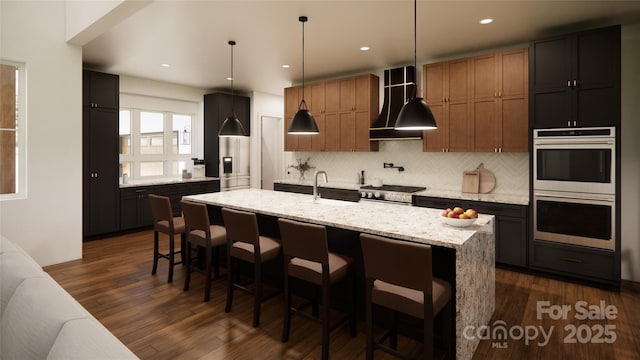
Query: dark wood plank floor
[(157, 320)]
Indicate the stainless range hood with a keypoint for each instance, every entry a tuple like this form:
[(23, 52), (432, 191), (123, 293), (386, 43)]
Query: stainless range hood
[(398, 87)]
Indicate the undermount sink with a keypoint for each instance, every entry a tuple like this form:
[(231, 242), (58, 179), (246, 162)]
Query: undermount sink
[(331, 202)]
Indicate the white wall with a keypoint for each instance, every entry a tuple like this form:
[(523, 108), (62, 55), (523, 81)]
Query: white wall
[(48, 223), (630, 156)]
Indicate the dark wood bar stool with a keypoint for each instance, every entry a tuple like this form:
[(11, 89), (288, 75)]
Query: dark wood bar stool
[(307, 257), (201, 233), (399, 277), (164, 222), (245, 243)]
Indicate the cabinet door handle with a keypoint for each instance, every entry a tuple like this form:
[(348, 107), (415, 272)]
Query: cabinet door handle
[(495, 94), (568, 83), (575, 83), (569, 123), (577, 261), (499, 93), (574, 123)]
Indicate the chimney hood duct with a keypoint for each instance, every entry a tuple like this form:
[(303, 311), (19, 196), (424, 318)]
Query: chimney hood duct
[(398, 87)]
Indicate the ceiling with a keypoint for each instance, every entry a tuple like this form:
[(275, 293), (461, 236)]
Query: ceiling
[(192, 36)]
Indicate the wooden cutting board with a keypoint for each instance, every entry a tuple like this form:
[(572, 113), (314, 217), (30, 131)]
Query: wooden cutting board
[(487, 180), (471, 181)]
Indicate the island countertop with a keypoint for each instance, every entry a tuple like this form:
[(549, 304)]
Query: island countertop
[(474, 246), (404, 222)]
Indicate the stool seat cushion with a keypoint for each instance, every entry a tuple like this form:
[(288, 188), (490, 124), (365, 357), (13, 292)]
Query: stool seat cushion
[(269, 249), (218, 236), (178, 225), (312, 271), (410, 301)]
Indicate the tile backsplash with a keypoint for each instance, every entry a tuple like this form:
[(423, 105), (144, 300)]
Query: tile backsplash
[(441, 171)]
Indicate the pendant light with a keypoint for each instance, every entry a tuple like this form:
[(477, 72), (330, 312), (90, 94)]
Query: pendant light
[(415, 114), (231, 126), (303, 122)]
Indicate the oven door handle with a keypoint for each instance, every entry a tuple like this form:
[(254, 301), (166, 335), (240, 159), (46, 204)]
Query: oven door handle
[(569, 143), (572, 197)]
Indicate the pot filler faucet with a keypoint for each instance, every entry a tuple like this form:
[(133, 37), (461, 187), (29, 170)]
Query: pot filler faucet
[(315, 182)]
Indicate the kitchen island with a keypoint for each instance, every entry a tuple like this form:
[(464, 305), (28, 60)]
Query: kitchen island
[(472, 262)]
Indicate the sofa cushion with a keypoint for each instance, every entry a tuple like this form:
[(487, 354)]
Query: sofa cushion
[(15, 267), (87, 339), (34, 316)]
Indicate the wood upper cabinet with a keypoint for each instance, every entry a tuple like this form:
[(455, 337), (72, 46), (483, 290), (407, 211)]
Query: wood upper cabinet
[(500, 102), (480, 103), (447, 94), (575, 79), (344, 110)]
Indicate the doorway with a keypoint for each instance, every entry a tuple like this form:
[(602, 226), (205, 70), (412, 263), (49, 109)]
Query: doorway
[(272, 151)]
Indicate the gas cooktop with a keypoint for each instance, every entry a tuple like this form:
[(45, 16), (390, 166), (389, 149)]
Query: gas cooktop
[(392, 193)]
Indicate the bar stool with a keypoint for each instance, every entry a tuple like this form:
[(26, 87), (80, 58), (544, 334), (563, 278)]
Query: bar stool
[(245, 243), (399, 277), (164, 222), (307, 257), (201, 233)]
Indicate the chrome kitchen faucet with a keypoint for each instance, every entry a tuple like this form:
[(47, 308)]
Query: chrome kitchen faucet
[(315, 182)]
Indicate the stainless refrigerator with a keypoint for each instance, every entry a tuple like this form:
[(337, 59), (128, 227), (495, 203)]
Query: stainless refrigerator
[(235, 157)]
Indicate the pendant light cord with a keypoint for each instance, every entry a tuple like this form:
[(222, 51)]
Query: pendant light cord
[(302, 19), (232, 43), (415, 47)]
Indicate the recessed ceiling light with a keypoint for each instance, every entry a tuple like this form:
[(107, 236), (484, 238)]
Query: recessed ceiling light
[(364, 48), (286, 66), (486, 21), (164, 65)]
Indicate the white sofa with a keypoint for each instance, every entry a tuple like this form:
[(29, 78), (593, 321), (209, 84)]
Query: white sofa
[(40, 320)]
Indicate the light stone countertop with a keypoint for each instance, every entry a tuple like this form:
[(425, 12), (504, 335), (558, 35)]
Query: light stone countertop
[(151, 182), (474, 246), (404, 222), (515, 199), (494, 198)]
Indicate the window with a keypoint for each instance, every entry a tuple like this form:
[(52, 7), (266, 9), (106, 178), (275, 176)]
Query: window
[(12, 133), (154, 144)]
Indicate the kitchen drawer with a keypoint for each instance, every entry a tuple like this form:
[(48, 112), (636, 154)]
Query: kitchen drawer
[(572, 260)]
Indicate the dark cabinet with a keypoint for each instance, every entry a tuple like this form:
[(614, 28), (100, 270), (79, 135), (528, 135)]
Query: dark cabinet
[(575, 79), (510, 225), (593, 265), (217, 107), (325, 192), (100, 90), (135, 210), (100, 154)]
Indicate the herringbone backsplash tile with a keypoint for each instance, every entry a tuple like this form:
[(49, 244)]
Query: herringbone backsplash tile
[(441, 171)]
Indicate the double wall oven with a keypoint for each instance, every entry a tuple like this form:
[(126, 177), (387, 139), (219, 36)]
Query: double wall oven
[(574, 186)]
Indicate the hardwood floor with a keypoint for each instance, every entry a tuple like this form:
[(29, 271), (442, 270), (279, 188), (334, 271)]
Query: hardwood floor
[(157, 320)]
